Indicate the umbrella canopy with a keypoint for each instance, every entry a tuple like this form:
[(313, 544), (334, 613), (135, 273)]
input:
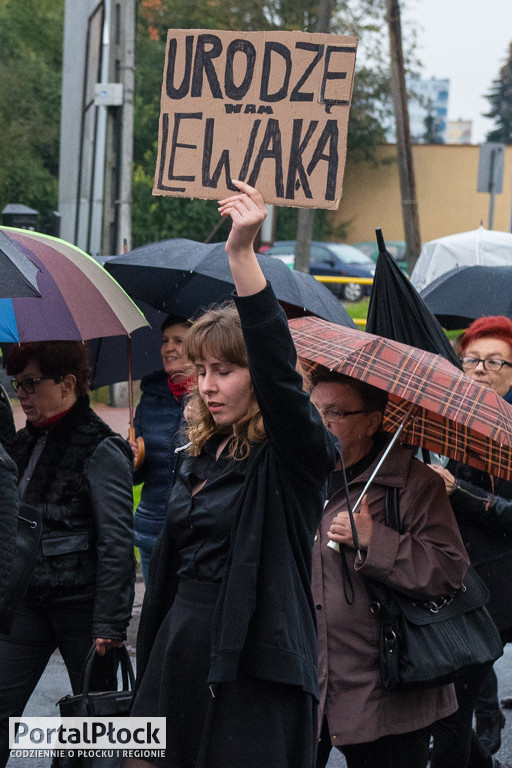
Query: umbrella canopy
[(397, 311), (108, 355), (184, 277), (17, 272), (460, 296), (452, 414), (484, 247), (79, 299)]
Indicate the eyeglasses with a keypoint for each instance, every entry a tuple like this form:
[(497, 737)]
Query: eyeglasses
[(330, 414), (28, 385), (489, 363)]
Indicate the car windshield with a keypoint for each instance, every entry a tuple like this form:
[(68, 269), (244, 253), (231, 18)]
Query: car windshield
[(349, 254)]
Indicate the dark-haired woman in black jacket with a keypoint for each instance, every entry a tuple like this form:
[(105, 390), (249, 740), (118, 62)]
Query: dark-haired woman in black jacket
[(78, 474)]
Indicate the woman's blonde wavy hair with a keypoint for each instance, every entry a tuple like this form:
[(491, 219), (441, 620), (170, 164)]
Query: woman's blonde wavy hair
[(218, 333)]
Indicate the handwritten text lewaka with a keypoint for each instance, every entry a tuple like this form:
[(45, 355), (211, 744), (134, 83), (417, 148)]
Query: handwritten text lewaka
[(270, 109)]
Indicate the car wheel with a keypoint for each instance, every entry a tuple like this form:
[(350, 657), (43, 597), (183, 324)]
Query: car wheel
[(353, 292)]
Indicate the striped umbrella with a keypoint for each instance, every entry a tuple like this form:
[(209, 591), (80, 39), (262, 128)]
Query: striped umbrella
[(78, 301), (434, 404)]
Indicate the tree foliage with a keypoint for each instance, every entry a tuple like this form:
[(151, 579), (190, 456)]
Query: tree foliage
[(31, 34), (30, 86), (500, 98)]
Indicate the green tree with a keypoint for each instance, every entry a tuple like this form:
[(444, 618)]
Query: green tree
[(30, 86), (500, 98)]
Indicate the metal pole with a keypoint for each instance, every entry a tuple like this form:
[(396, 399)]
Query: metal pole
[(306, 216), (124, 231), (96, 221), (492, 166), (403, 136)]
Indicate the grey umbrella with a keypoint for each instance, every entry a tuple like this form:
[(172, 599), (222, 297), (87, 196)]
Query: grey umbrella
[(17, 272), (460, 296)]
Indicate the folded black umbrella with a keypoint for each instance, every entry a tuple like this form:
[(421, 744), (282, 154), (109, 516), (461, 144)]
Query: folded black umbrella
[(398, 312), (461, 295)]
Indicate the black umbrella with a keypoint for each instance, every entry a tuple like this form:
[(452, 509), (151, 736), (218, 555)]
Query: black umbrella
[(17, 272), (398, 312), (183, 277), (108, 355), (461, 295)]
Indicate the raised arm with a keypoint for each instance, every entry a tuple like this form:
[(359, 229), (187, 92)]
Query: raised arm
[(292, 424), (248, 212)]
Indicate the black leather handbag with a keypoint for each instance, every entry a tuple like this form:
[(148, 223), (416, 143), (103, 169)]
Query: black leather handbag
[(425, 644), (100, 703), (96, 704)]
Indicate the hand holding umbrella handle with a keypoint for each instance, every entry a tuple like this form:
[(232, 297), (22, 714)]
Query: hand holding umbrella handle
[(138, 448), (334, 544)]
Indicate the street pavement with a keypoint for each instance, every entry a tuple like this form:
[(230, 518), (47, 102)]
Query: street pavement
[(54, 683)]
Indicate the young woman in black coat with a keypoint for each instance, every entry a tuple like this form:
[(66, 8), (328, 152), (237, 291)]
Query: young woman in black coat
[(227, 643)]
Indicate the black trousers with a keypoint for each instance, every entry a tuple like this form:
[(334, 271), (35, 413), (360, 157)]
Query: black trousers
[(37, 631), (454, 741), (401, 750)]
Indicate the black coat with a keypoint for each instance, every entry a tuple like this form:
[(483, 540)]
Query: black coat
[(483, 508), (82, 483), (8, 519), (265, 618)]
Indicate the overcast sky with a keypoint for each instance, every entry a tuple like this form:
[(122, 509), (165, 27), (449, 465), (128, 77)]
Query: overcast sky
[(467, 42)]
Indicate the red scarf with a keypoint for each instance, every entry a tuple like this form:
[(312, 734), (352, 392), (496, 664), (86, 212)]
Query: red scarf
[(180, 388), (52, 421)]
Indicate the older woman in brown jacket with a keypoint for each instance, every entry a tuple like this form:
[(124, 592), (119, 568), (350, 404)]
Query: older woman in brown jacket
[(370, 725)]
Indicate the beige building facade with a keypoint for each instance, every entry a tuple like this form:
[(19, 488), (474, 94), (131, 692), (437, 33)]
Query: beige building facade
[(446, 182)]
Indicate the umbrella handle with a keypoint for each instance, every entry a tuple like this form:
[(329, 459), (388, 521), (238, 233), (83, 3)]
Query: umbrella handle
[(138, 460)]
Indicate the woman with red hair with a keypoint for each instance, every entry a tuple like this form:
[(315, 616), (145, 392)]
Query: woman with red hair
[(483, 507)]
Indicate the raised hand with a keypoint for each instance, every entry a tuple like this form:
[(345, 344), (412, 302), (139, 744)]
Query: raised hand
[(247, 211)]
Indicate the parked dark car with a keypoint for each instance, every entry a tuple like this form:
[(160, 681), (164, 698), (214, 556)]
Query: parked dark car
[(333, 260), (395, 247)]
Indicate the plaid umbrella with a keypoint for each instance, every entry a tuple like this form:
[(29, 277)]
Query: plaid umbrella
[(452, 415)]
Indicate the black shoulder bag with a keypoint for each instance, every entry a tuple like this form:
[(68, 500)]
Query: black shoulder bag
[(425, 644)]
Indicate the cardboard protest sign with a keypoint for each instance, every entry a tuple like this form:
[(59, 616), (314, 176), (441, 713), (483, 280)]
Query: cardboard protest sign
[(268, 108)]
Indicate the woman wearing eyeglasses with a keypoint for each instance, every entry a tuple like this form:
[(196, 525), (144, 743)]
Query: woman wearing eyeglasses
[(78, 474), (372, 726), (483, 509)]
